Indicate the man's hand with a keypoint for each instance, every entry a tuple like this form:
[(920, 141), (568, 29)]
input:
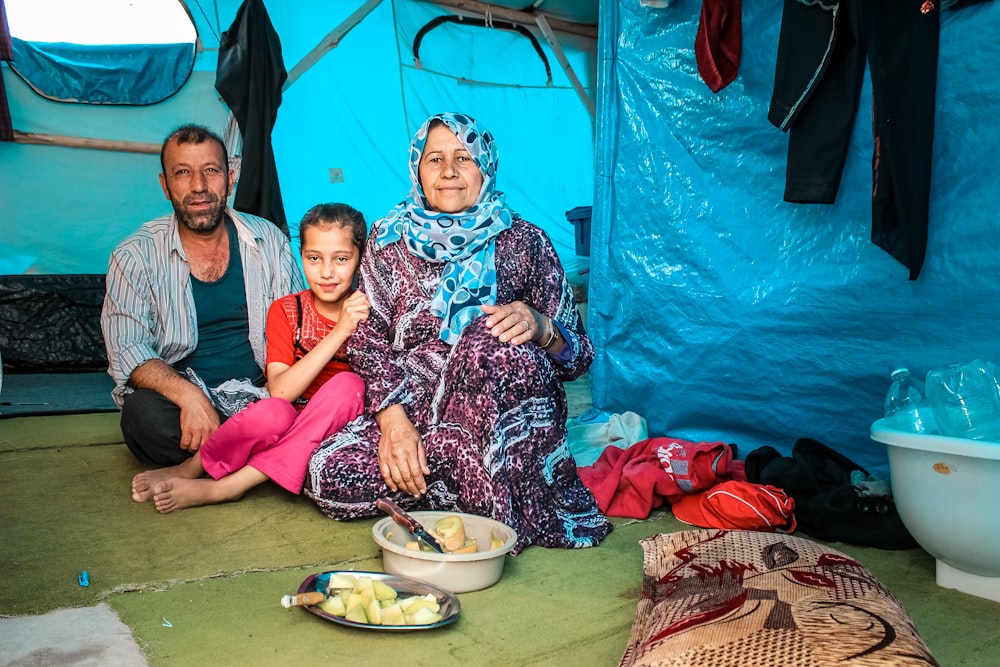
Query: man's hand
[(401, 456), (199, 421)]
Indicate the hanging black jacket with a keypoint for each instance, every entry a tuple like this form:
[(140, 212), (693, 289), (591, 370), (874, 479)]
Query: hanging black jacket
[(249, 76)]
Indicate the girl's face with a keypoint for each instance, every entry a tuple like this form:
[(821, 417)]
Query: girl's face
[(329, 260)]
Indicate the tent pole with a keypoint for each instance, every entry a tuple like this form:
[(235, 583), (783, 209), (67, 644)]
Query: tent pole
[(329, 42), (85, 142), (515, 16), (550, 37)]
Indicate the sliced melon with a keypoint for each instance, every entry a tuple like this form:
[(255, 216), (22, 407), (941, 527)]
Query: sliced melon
[(450, 532), (422, 616), (339, 580), (382, 591), (357, 614), (495, 542), (333, 605), (374, 612), (393, 615)]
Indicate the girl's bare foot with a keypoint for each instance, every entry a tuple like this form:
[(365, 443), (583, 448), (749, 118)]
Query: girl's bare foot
[(144, 483), (180, 493)]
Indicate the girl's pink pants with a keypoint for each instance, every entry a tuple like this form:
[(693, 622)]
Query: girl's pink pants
[(276, 439)]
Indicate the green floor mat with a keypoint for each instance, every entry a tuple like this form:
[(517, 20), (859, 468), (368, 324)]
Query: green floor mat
[(68, 510), (33, 394), (202, 586), (550, 608)]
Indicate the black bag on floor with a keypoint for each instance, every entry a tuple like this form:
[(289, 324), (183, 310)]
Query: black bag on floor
[(827, 505)]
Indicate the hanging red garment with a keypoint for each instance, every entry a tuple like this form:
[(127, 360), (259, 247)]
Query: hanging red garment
[(719, 43)]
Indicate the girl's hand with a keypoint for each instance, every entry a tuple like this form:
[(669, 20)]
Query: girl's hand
[(355, 309)]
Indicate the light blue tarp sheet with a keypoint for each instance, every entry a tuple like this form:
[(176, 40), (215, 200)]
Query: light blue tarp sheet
[(719, 312), (107, 74)]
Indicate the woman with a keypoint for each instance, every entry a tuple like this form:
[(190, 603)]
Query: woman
[(472, 331)]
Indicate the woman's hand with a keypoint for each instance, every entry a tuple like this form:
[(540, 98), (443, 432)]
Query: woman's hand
[(516, 323), (401, 457)]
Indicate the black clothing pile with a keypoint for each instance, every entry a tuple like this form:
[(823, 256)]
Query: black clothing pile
[(828, 505)]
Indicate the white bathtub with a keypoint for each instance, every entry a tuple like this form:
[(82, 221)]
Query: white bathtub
[(947, 491)]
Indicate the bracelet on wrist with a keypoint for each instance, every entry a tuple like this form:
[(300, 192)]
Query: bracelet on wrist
[(551, 338)]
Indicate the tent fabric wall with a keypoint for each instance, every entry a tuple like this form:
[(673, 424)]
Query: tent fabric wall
[(139, 74), (720, 312), (355, 109), (52, 323), (361, 118), (65, 209)]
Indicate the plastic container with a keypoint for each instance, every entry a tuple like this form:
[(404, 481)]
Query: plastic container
[(906, 407), (580, 217), (947, 491), (994, 370), (965, 401), (458, 573)]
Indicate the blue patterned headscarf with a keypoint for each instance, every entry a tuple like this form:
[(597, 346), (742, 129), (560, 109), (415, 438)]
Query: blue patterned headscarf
[(465, 242)]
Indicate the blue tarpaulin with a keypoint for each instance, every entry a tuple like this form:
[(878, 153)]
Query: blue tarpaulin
[(721, 312), (106, 74)]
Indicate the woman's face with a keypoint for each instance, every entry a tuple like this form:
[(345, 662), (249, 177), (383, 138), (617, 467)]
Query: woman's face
[(450, 179)]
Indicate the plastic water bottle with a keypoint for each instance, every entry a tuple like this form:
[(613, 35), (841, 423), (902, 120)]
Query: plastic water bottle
[(965, 401), (905, 407)]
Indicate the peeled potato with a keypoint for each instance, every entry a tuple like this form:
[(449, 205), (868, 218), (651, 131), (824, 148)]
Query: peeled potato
[(495, 542), (450, 533)]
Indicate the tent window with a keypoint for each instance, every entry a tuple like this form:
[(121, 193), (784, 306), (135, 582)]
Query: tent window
[(481, 23), (102, 51)]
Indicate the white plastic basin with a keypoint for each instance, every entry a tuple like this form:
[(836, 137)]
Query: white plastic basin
[(458, 573), (947, 491)]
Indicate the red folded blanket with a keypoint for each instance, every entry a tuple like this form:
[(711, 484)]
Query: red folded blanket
[(633, 482)]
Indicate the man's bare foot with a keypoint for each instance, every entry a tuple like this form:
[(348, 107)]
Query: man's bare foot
[(180, 493), (144, 483)]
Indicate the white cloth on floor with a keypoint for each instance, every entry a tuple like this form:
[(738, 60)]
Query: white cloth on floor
[(591, 432)]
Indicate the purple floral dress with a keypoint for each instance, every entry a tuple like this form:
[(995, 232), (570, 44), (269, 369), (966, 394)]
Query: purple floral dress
[(492, 415)]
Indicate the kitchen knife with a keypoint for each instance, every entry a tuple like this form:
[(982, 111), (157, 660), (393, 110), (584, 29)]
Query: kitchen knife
[(403, 519)]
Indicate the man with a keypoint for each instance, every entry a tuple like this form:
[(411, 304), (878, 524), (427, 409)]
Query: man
[(187, 297)]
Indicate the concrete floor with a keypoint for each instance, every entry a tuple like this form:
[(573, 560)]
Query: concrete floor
[(83, 637)]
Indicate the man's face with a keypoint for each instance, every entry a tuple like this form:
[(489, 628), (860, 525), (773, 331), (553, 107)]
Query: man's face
[(197, 183)]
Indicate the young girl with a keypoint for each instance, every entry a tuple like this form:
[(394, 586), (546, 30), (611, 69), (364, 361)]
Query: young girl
[(313, 393)]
